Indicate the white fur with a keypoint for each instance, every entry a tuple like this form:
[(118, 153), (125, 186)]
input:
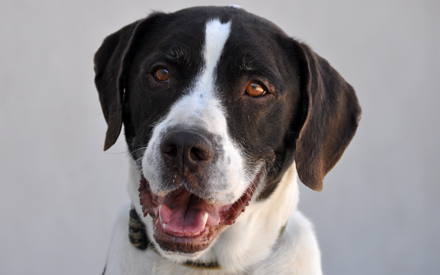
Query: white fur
[(250, 246)]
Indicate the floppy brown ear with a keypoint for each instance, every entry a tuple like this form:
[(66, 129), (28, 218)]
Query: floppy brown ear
[(333, 114), (111, 64)]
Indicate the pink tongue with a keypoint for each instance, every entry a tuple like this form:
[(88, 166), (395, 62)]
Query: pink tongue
[(186, 214), (182, 220)]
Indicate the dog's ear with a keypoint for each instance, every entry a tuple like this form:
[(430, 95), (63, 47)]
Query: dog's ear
[(333, 114), (111, 62)]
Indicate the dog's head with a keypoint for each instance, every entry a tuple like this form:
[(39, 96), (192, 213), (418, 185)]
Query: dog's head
[(217, 103)]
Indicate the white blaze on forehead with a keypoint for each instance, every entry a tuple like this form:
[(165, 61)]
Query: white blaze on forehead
[(201, 107), (216, 35)]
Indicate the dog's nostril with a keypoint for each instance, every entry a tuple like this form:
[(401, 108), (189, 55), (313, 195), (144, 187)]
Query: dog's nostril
[(198, 155), (170, 150)]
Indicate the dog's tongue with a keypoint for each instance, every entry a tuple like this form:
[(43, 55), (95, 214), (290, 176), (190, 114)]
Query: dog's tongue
[(182, 213)]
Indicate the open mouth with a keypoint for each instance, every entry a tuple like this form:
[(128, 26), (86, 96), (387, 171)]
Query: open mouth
[(186, 223)]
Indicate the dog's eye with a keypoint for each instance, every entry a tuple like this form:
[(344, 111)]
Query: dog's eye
[(255, 89), (162, 75)]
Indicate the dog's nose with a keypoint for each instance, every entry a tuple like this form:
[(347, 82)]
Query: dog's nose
[(187, 150)]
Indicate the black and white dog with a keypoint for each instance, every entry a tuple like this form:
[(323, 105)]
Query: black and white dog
[(221, 111)]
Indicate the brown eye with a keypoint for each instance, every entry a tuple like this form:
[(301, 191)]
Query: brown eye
[(162, 74), (255, 89)]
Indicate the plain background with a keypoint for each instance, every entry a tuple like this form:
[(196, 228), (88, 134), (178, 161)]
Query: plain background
[(59, 194)]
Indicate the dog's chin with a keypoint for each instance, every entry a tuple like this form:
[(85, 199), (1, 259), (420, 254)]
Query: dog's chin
[(185, 224)]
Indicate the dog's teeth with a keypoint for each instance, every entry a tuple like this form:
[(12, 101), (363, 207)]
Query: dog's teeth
[(160, 217), (205, 219), (164, 226)]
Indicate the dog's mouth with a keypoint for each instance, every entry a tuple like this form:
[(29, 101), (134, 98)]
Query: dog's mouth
[(186, 223)]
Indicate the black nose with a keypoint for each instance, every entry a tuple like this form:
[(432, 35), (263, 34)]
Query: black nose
[(186, 150)]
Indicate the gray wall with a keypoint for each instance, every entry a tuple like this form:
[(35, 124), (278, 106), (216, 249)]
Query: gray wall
[(59, 193)]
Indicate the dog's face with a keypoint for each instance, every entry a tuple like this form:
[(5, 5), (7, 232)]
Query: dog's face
[(217, 103)]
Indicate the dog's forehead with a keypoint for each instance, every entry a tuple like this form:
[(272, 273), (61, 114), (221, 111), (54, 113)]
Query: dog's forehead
[(183, 33)]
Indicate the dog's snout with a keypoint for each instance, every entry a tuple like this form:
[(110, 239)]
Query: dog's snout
[(187, 150)]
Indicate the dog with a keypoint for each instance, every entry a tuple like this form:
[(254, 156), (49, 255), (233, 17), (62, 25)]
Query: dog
[(222, 111)]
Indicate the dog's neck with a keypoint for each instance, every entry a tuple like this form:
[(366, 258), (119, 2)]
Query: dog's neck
[(255, 239)]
